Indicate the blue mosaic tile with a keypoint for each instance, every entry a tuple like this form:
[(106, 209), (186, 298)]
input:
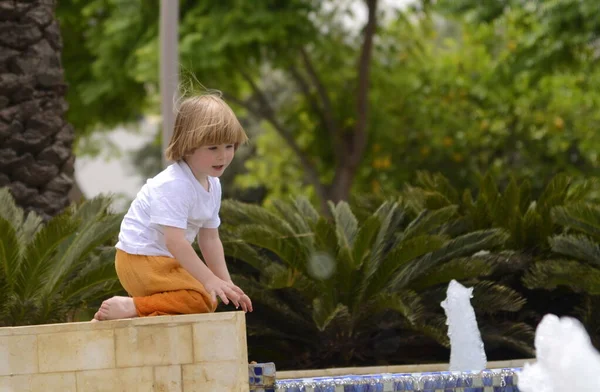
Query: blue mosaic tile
[(262, 375), (498, 380)]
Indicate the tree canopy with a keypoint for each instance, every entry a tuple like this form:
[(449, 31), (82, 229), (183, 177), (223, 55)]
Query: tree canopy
[(343, 103)]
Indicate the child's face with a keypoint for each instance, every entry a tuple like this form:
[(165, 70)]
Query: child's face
[(211, 160)]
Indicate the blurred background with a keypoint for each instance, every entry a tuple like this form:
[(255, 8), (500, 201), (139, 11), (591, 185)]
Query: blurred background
[(396, 145), (457, 87)]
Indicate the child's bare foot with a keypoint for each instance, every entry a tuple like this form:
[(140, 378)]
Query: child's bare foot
[(116, 308)]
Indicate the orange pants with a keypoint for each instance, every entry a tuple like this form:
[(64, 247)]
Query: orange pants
[(161, 286)]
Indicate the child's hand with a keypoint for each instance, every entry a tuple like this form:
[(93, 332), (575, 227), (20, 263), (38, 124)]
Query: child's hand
[(228, 291)]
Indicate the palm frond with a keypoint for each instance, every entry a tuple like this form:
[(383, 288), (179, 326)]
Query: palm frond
[(10, 253), (346, 224), (407, 303), (390, 218), (550, 274), (440, 184), (236, 213), (465, 245), (555, 192), (92, 279), (30, 227), (364, 240), (240, 250), (306, 210), (427, 222), (386, 275), (25, 226), (288, 248), (324, 312), (519, 336), (583, 217), (459, 269), (582, 190), (36, 260), (434, 326), (9, 209), (269, 300), (490, 297), (291, 216), (72, 254), (579, 247)]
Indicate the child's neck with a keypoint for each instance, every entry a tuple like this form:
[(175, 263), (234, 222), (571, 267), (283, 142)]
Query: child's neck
[(200, 177)]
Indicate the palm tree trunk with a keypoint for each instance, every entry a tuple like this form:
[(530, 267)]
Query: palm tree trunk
[(36, 157)]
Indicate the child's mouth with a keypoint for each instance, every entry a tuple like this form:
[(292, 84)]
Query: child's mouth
[(220, 167)]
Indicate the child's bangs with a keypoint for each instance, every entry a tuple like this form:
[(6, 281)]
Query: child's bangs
[(223, 130)]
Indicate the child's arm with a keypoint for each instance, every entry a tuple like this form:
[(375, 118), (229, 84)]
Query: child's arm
[(182, 250), (211, 247)]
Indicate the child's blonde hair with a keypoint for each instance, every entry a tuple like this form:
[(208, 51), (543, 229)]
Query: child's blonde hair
[(204, 120)]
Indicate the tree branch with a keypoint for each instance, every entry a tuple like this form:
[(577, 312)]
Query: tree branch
[(364, 67), (321, 112), (330, 121), (355, 144), (266, 112)]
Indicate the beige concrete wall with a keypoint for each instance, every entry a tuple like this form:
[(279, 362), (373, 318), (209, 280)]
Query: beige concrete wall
[(205, 352)]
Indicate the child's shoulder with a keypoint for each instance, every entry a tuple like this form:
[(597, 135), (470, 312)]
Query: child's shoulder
[(170, 177)]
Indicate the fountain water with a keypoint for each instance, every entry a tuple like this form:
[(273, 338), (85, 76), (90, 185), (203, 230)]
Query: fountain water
[(467, 352), (566, 359)]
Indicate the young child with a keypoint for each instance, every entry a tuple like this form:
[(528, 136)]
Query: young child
[(155, 261)]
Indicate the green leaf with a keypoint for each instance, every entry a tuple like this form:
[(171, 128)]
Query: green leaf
[(583, 217), (458, 269), (10, 253), (365, 240), (550, 274), (283, 246), (36, 260), (490, 297), (578, 247), (324, 314), (465, 245), (346, 224), (429, 221), (387, 274), (406, 302), (307, 210)]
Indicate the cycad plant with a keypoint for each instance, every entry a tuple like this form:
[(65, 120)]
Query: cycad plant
[(342, 291), (578, 265), (49, 271), (526, 219)]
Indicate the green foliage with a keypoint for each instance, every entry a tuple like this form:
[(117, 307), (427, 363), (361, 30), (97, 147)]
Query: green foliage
[(106, 62), (581, 271), (328, 290), (50, 271), (528, 219), (472, 101), (514, 94), (578, 269)]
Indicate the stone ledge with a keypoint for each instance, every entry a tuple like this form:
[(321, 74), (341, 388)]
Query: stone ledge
[(203, 352)]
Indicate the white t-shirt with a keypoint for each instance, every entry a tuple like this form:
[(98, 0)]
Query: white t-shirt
[(174, 197)]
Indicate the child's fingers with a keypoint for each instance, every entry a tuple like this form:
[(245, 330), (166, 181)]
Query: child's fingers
[(247, 302), (233, 296), (223, 297), (236, 289)]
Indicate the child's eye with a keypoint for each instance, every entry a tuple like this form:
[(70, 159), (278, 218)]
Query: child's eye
[(229, 146), (212, 148)]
